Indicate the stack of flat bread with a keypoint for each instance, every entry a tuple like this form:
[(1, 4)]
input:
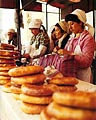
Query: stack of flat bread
[(77, 105), (63, 84), (33, 95), (7, 61), (25, 75)]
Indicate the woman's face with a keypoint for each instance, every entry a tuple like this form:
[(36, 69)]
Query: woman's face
[(58, 32), (35, 31), (75, 27)]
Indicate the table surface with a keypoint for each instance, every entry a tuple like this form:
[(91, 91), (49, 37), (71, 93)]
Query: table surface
[(10, 108)]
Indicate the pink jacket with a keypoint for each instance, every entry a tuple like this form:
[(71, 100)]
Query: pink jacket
[(87, 45)]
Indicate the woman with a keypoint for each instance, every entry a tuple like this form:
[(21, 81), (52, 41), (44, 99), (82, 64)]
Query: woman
[(39, 43), (62, 35), (82, 44)]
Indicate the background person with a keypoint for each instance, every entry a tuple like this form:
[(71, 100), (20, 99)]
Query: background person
[(39, 43), (12, 37), (62, 35)]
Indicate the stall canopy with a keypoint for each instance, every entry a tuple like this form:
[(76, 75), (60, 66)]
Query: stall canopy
[(31, 5)]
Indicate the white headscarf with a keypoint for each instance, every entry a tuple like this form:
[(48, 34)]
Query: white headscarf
[(82, 17)]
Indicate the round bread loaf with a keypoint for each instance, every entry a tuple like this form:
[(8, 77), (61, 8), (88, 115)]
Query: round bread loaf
[(6, 68), (8, 61), (6, 87), (35, 100), (25, 70), (45, 116), (6, 53), (32, 108), (4, 81), (36, 90), (4, 77), (64, 81), (7, 64), (5, 46), (67, 113), (56, 88), (15, 89), (38, 78), (78, 99), (3, 73)]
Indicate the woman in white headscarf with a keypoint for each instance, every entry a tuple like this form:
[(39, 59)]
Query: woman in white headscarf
[(82, 43)]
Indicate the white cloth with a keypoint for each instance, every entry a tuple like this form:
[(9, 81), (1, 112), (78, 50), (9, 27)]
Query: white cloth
[(34, 53)]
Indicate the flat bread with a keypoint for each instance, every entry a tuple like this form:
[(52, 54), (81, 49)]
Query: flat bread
[(31, 108), (36, 100), (25, 70), (6, 68), (8, 61), (64, 81), (67, 113), (78, 99), (38, 78)]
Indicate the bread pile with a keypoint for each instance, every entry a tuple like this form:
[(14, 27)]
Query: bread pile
[(58, 82), (77, 105), (64, 84), (7, 62), (33, 94)]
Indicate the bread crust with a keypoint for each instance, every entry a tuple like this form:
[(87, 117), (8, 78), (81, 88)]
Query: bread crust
[(36, 90), (45, 116), (3, 73), (78, 99), (6, 87), (15, 89), (32, 108), (6, 68), (6, 64), (68, 113), (25, 70), (64, 81), (38, 78), (35, 100), (8, 61), (4, 81), (56, 88)]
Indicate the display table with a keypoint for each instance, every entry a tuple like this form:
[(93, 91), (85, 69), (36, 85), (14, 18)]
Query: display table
[(10, 108)]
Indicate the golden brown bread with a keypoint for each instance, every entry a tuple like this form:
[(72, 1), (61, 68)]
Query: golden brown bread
[(45, 116), (32, 108), (78, 99), (4, 81), (64, 81), (4, 77), (38, 78), (70, 113), (6, 68), (6, 53), (35, 100), (6, 87), (25, 70), (15, 89), (8, 61), (36, 90), (56, 88), (3, 73), (7, 64), (5, 46)]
